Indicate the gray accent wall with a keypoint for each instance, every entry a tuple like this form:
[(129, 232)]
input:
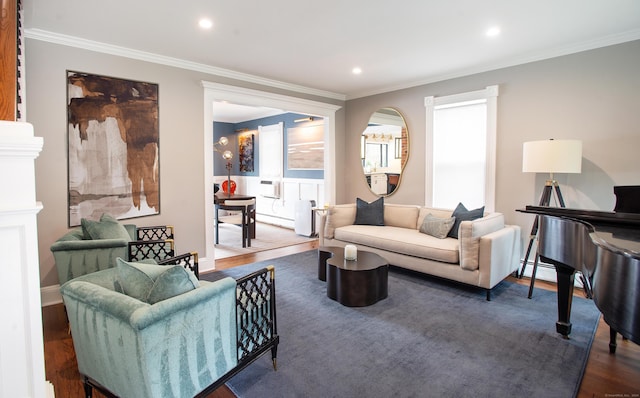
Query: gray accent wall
[(593, 96)]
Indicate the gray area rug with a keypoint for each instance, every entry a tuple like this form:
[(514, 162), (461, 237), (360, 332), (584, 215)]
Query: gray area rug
[(429, 338)]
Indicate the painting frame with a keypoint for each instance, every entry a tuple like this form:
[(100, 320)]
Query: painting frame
[(113, 147), (245, 151)]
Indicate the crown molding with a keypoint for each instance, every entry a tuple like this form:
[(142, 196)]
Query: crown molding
[(77, 42), (514, 61), (251, 97)]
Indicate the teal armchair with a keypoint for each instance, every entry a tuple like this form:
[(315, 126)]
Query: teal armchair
[(76, 253), (186, 345)]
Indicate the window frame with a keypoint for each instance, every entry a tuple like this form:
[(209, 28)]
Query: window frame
[(490, 95)]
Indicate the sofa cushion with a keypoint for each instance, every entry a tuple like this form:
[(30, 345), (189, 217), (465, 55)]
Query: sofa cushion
[(462, 214), (436, 226), (149, 282), (403, 216), (370, 213), (401, 240), (107, 228), (338, 216)]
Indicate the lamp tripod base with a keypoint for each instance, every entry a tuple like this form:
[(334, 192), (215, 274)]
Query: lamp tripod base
[(549, 187)]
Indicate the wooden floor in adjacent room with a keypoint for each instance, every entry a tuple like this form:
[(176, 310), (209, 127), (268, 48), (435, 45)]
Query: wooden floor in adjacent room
[(605, 376)]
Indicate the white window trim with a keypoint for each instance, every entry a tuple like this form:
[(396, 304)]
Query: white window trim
[(490, 94)]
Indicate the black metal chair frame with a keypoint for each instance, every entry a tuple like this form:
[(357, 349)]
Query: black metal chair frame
[(152, 242)]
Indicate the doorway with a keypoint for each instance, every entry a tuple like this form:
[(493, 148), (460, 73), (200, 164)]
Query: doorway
[(237, 95)]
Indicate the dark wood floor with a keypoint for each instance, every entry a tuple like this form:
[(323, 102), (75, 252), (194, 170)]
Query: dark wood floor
[(606, 375)]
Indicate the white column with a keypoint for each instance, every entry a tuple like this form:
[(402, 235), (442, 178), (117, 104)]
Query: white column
[(21, 341)]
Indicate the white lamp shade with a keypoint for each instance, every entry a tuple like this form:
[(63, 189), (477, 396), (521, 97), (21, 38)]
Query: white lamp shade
[(552, 156)]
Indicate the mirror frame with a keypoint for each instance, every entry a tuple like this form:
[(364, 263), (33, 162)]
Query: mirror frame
[(403, 153)]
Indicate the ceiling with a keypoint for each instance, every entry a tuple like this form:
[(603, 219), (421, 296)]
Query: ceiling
[(304, 45)]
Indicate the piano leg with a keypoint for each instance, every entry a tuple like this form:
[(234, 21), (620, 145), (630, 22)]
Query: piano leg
[(565, 277), (612, 340)]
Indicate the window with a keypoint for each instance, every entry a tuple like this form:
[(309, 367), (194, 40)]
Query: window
[(377, 154), (270, 139), (461, 146)]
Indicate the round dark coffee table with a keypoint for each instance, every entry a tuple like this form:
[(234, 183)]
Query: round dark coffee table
[(354, 283)]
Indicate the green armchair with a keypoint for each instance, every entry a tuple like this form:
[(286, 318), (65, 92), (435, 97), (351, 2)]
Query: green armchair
[(184, 345), (96, 245)]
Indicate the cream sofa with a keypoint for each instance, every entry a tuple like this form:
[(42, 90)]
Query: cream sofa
[(486, 251)]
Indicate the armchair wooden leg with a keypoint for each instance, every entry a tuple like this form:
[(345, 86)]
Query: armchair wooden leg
[(274, 353), (88, 390)]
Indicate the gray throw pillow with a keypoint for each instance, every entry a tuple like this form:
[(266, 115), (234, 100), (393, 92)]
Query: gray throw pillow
[(370, 213), (437, 227), (462, 214)]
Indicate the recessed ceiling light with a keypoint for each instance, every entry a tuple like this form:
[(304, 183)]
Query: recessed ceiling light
[(493, 31), (356, 70), (205, 23)]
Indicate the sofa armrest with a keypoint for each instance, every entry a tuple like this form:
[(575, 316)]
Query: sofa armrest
[(87, 244), (337, 216), (469, 236), (75, 256), (499, 255)]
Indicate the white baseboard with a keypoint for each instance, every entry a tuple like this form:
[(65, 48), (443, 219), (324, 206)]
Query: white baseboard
[(50, 295), (546, 272)]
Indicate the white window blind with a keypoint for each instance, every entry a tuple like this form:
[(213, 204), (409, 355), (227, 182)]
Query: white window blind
[(461, 150), (271, 158)]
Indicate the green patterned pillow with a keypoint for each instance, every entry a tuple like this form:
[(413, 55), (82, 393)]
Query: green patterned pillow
[(437, 227), (151, 283), (107, 228)]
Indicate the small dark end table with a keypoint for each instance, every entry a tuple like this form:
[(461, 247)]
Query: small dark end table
[(356, 283)]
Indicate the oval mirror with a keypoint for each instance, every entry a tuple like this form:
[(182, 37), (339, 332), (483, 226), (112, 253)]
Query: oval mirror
[(384, 150)]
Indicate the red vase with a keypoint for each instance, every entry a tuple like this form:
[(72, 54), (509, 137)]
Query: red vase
[(225, 187)]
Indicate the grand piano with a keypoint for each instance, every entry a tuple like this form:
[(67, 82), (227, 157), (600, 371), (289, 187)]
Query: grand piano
[(605, 248)]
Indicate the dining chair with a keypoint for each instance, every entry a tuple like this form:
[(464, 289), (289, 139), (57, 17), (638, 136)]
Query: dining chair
[(242, 212)]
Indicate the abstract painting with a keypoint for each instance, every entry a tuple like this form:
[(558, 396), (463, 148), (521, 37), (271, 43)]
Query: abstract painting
[(305, 148), (113, 147), (245, 151)]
